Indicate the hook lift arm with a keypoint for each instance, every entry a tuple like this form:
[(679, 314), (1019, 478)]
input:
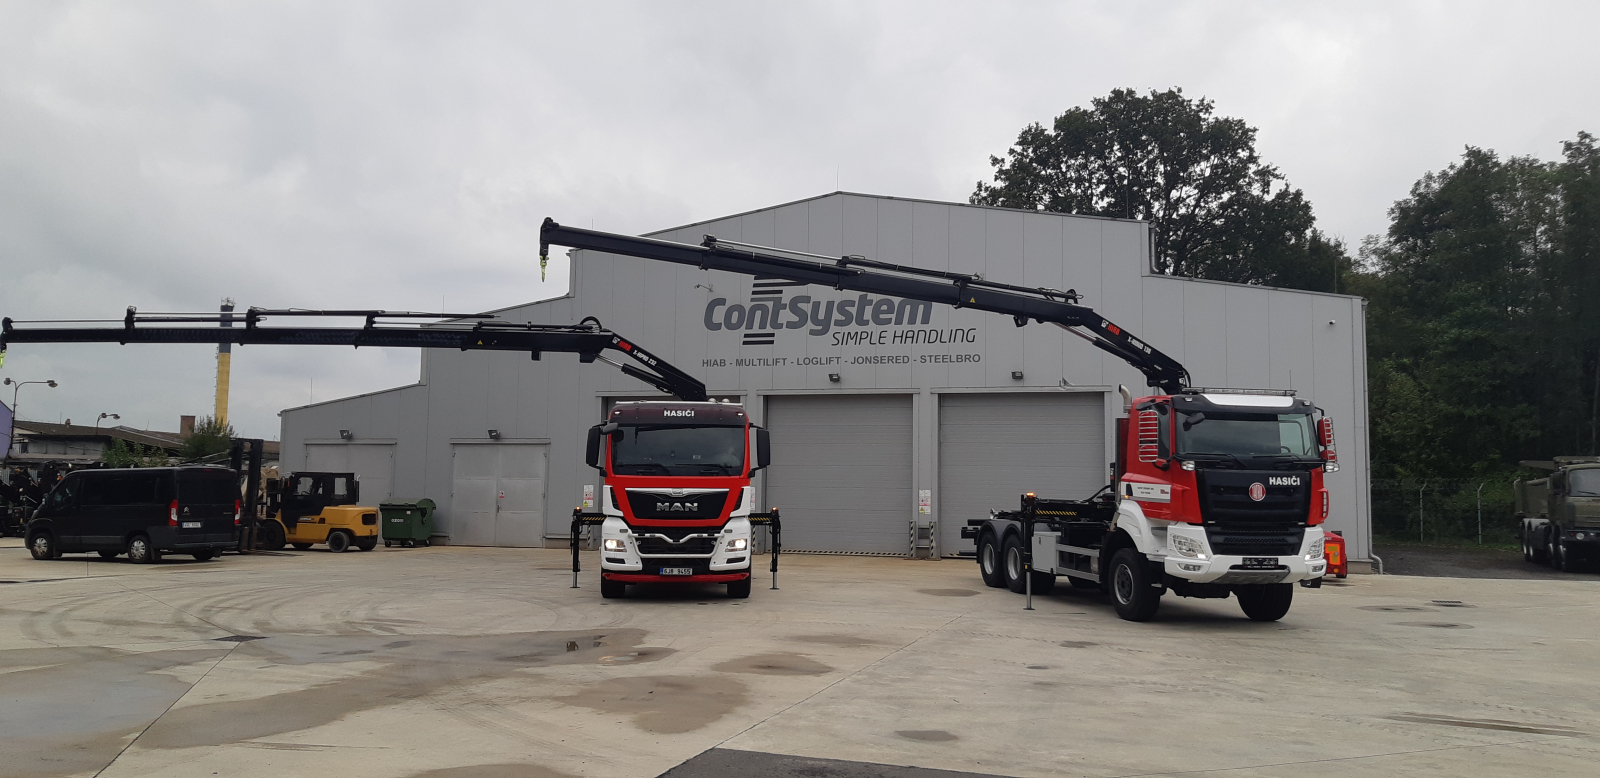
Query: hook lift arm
[(588, 339), (859, 274)]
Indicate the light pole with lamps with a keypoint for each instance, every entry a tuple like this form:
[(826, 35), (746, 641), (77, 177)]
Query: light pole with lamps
[(103, 417), (11, 434)]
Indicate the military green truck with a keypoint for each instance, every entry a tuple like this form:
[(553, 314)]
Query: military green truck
[(1560, 514)]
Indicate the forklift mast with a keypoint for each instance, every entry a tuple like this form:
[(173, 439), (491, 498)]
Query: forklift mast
[(588, 339), (859, 274)]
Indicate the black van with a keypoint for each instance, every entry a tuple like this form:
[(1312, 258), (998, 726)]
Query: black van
[(139, 512)]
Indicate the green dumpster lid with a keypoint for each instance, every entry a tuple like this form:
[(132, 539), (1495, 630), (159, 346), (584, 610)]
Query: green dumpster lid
[(404, 502)]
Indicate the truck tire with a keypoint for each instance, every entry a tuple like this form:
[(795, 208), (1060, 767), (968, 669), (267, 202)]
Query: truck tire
[(338, 541), (740, 590), (1134, 591), (989, 561), (43, 547), (142, 551), (1265, 602), (1527, 548), (1552, 549), (270, 536), (1563, 559), (1011, 564), (613, 590)]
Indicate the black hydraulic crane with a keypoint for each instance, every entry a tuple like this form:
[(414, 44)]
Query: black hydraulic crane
[(859, 274), (467, 332)]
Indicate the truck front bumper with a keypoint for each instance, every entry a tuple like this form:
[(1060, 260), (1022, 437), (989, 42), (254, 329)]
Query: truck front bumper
[(1232, 570)]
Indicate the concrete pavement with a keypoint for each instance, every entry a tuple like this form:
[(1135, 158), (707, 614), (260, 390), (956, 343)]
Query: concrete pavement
[(460, 662)]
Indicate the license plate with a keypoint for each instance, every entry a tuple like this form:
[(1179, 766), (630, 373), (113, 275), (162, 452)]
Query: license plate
[(677, 571), (191, 525), (1260, 561)]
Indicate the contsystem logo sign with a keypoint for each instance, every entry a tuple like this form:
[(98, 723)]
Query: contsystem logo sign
[(859, 321)]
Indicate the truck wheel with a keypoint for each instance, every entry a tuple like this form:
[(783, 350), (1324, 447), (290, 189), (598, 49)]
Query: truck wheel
[(1527, 548), (1134, 591), (142, 551), (1552, 550), (989, 561), (739, 590), (43, 547), (1265, 602), (270, 537), (338, 542), (1011, 564), (616, 590), (1564, 560)]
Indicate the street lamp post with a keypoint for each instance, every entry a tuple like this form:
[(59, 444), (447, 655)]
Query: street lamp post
[(103, 417), (11, 434)]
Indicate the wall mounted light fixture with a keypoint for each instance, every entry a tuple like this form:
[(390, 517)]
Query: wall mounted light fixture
[(494, 434), (345, 435), (834, 377)]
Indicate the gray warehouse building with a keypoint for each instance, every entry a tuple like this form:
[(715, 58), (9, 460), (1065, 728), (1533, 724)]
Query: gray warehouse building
[(884, 413)]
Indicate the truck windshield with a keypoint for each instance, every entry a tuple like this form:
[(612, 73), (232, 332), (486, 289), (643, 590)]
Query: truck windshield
[(1584, 483), (1244, 435), (674, 450)]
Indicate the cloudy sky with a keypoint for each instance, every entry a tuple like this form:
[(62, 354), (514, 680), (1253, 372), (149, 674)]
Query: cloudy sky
[(400, 155)]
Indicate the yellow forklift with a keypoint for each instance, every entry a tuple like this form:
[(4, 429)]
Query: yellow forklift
[(304, 509)]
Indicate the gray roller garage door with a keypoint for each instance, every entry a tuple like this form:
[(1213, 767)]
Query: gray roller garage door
[(994, 447), (841, 471), (373, 464)]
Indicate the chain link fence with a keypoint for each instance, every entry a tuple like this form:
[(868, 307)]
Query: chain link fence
[(1444, 510)]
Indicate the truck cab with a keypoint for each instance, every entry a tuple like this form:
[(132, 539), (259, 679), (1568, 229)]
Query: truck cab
[(677, 498)]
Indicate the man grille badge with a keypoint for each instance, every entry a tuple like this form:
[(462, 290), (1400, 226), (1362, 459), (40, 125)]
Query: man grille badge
[(677, 492)]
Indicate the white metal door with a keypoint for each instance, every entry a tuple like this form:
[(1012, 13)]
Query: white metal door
[(995, 447), (841, 471), (373, 464), (498, 494)]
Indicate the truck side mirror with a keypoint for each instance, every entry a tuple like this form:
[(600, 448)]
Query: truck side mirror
[(591, 454), (763, 449)]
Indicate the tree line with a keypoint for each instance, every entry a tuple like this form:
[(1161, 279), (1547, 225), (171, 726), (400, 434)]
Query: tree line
[(1483, 320)]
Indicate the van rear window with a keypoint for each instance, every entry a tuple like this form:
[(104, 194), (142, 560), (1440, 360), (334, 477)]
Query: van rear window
[(214, 487)]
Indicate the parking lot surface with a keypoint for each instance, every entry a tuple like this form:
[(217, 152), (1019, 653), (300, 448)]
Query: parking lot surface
[(482, 663)]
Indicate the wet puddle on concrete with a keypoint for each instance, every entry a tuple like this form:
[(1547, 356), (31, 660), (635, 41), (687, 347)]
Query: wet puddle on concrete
[(927, 735), (414, 667), (666, 704), (843, 641), (75, 708), (774, 664)]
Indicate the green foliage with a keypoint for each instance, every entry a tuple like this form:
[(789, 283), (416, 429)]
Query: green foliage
[(1217, 211), (210, 437), (1484, 322), (121, 453)]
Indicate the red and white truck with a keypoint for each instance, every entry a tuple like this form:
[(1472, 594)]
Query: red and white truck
[(677, 506), (1215, 492)]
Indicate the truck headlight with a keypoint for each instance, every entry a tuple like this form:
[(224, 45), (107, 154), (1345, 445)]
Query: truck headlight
[(738, 544), (613, 544), (1186, 546), (1316, 548)]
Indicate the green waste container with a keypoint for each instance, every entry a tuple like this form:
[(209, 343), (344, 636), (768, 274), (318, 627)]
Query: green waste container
[(407, 522)]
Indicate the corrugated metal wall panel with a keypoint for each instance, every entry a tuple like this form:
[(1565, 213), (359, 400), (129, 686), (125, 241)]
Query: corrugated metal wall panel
[(994, 447), (841, 471)]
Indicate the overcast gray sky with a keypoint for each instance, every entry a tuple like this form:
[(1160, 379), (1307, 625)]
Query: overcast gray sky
[(401, 154)]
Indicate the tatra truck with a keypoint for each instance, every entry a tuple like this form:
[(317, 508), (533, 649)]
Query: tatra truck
[(1214, 492)]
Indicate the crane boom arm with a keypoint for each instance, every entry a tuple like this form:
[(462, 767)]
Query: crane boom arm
[(859, 274), (587, 339)]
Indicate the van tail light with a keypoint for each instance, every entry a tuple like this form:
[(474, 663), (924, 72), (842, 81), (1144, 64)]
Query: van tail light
[(237, 505), (172, 514)]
